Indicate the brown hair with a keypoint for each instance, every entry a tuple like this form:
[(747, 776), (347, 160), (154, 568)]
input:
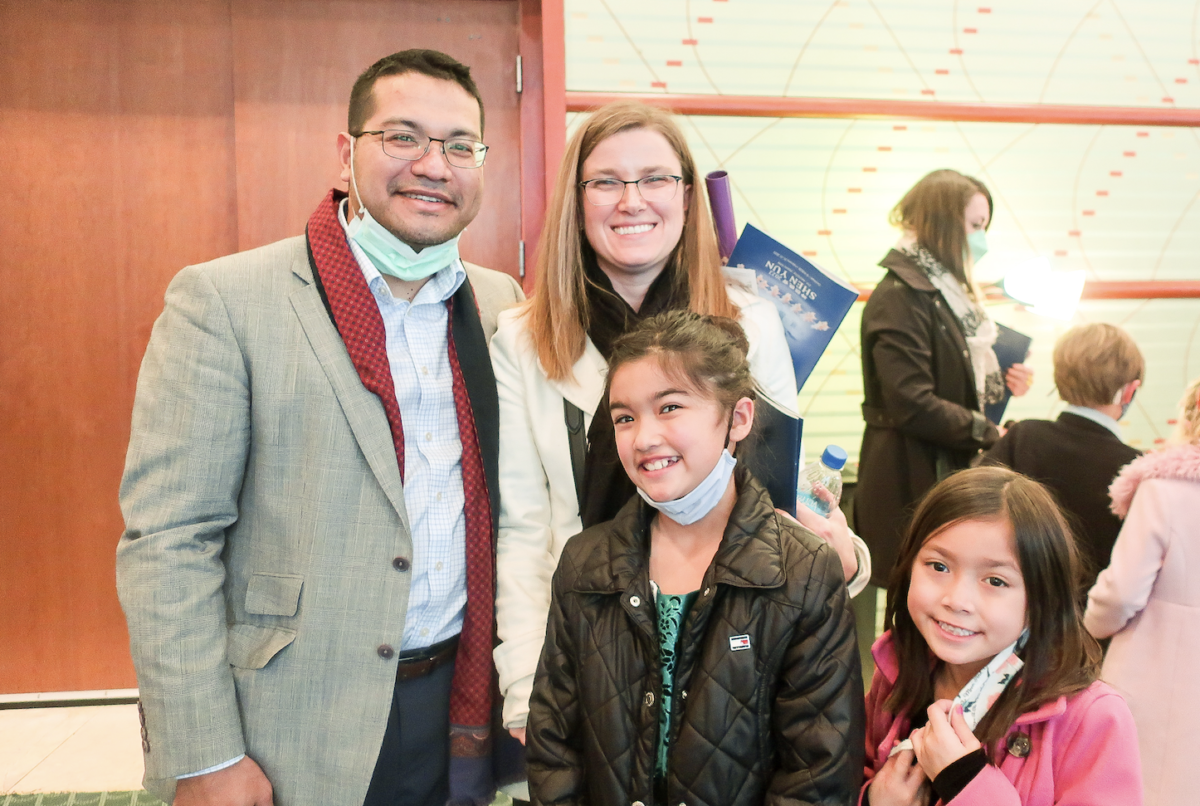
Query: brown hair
[(708, 353), (934, 210), (1092, 362), (1188, 428), (432, 63), (1060, 656), (558, 312)]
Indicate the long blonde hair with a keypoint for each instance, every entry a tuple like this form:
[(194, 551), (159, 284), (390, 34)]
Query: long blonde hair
[(557, 315)]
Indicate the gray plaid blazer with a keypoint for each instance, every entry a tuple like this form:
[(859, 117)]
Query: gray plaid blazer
[(260, 492)]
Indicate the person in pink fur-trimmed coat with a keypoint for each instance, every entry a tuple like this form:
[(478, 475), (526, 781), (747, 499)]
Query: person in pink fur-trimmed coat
[(1148, 599)]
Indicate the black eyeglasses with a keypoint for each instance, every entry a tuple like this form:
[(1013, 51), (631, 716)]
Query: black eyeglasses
[(654, 188), (461, 152)]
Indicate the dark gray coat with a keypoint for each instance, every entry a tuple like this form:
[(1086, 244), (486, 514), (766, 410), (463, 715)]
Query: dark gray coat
[(779, 722), (920, 406)]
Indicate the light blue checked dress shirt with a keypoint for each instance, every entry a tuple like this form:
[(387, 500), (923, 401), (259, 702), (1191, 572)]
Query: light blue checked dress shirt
[(417, 351)]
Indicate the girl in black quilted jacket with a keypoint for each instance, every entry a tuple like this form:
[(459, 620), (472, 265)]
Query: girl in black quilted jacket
[(700, 648)]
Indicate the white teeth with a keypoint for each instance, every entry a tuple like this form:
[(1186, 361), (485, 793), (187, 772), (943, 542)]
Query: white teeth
[(658, 465), (633, 230), (424, 198), (955, 630)]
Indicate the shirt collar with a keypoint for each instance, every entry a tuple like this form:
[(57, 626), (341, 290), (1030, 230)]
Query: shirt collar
[(1096, 417), (441, 286)]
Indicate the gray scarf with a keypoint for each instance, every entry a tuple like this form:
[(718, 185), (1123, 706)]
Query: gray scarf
[(977, 327)]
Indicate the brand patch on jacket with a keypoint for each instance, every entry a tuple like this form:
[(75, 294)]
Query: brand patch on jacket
[(737, 642)]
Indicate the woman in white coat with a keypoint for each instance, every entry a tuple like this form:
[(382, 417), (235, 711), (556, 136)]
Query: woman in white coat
[(628, 234), (1148, 600)]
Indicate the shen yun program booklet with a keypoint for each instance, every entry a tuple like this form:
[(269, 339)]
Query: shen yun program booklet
[(810, 301)]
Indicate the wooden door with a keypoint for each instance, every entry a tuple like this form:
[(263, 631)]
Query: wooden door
[(138, 137)]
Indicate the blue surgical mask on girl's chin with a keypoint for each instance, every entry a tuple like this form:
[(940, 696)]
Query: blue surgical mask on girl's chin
[(977, 243), (389, 254), (700, 501)]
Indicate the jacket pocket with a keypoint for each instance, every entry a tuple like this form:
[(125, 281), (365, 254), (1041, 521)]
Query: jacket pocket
[(273, 594), (250, 646)]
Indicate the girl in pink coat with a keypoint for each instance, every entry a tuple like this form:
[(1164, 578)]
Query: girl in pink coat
[(985, 689), (1148, 599)]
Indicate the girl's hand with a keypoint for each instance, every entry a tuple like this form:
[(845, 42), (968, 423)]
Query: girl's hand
[(833, 530), (945, 739), (518, 734), (1019, 378), (900, 782)]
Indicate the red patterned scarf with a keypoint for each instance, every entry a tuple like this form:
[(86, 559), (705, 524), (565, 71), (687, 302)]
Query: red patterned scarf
[(358, 321)]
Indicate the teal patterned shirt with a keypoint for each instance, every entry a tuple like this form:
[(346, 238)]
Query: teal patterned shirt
[(672, 610)]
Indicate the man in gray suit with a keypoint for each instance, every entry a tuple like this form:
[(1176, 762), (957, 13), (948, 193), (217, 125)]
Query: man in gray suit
[(310, 489)]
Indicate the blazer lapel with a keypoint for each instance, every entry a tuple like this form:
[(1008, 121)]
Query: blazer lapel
[(585, 385), (362, 409), (475, 362)]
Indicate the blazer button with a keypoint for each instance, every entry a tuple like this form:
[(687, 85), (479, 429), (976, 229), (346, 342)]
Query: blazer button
[(637, 803), (683, 694), (401, 564), (649, 698), (635, 601), (966, 354), (386, 652)]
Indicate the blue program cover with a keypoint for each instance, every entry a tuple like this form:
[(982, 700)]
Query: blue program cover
[(1012, 347), (811, 302)]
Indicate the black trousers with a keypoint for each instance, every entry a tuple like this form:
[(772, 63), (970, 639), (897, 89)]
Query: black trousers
[(414, 762)]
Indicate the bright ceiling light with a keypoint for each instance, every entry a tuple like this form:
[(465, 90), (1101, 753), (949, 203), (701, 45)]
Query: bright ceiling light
[(1047, 292)]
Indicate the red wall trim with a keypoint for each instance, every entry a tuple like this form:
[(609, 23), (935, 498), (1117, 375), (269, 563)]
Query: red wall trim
[(1118, 289), (1142, 289), (867, 108), (554, 55), (533, 131)]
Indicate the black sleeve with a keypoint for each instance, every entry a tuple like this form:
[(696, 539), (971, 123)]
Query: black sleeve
[(1002, 453), (818, 724), (897, 329), (957, 774)]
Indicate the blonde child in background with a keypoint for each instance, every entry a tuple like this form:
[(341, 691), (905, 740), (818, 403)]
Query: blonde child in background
[(985, 688)]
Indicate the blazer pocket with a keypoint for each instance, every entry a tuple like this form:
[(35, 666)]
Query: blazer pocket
[(250, 646), (273, 594)]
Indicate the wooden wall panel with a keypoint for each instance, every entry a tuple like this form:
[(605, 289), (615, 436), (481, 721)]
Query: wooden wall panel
[(140, 137), (116, 131), (295, 63)]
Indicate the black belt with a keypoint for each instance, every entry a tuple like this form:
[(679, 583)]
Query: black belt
[(415, 663)]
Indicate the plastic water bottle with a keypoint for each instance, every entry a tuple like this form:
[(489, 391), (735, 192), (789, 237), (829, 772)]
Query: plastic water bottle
[(825, 474)]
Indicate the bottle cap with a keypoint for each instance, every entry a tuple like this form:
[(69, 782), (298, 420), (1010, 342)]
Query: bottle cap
[(834, 457)]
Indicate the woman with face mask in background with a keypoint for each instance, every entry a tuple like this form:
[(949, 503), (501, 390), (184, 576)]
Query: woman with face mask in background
[(628, 234), (929, 366)]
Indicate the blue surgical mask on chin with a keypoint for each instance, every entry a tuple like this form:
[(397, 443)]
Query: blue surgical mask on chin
[(977, 244), (388, 253), (700, 501)]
